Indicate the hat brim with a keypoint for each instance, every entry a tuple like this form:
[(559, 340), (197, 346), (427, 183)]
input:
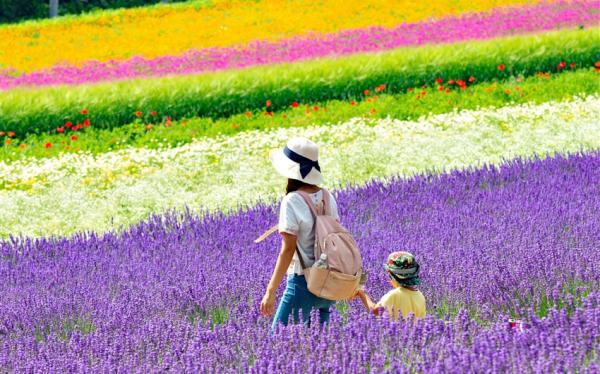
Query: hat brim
[(291, 169)]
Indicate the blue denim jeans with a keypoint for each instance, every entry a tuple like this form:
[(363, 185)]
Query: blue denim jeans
[(297, 297)]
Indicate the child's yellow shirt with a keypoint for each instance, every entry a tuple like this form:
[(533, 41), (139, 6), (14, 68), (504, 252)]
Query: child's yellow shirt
[(405, 301)]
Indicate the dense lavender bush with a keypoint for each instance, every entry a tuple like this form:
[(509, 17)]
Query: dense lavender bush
[(181, 293)]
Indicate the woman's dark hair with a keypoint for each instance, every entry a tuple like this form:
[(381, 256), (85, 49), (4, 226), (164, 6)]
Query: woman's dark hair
[(294, 185)]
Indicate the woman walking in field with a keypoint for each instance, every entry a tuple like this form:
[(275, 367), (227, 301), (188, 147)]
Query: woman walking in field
[(298, 161)]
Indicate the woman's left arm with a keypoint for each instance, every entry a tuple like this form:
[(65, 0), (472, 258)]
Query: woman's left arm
[(288, 246)]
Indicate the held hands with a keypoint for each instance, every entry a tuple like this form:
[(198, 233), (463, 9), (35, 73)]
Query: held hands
[(267, 305)]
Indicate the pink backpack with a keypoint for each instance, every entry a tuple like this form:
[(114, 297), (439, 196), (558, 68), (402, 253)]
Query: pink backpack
[(340, 278)]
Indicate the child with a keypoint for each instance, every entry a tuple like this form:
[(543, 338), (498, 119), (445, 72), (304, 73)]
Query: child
[(405, 298)]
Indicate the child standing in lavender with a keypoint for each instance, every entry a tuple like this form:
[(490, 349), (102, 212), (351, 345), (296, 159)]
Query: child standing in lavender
[(405, 298)]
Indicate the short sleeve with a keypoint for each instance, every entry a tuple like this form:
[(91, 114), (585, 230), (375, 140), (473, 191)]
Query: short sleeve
[(288, 222)]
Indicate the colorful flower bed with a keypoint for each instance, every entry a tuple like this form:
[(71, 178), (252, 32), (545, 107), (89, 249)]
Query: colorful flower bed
[(78, 192), (443, 97), (223, 94), (171, 294), (167, 30), (499, 22)]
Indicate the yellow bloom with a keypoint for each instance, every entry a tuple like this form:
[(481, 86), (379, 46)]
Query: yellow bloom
[(168, 30)]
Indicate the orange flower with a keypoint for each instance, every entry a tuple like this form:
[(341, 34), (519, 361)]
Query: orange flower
[(597, 64), (366, 92), (353, 103), (572, 64), (74, 138), (439, 80), (441, 88), (149, 127), (10, 134), (501, 67), (268, 103), (153, 114), (471, 79), (450, 81), (22, 146), (507, 91), (235, 126), (7, 142), (68, 124), (295, 104), (86, 123), (1, 133), (48, 145), (138, 114), (248, 114), (84, 111), (447, 90), (60, 130), (373, 110), (315, 108)]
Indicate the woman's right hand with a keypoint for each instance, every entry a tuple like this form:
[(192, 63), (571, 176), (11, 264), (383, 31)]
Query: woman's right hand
[(267, 305)]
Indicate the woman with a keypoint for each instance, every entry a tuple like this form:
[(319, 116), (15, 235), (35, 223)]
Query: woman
[(298, 161)]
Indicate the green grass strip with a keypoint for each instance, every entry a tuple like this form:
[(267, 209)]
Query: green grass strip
[(403, 106), (227, 93)]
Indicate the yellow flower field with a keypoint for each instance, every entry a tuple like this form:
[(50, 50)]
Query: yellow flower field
[(168, 30)]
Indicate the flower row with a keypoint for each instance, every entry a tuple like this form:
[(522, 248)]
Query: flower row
[(163, 31), (77, 192), (498, 22), (222, 94)]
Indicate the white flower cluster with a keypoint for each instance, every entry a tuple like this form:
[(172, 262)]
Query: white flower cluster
[(78, 192)]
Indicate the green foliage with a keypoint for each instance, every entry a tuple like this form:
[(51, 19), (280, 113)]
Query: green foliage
[(401, 106), (223, 94)]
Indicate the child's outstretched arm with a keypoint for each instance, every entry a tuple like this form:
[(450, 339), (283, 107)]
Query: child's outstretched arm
[(367, 302)]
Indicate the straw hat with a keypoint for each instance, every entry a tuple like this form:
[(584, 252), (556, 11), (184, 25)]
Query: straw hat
[(298, 160)]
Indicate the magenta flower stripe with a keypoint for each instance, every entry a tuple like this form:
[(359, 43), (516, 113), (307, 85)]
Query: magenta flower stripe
[(499, 22)]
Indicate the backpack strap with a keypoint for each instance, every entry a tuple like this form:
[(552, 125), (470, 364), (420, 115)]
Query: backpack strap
[(326, 206)]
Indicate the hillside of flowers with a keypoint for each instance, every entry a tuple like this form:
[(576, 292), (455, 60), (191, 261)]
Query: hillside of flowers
[(134, 178)]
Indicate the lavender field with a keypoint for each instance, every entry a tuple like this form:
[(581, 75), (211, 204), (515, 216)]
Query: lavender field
[(180, 292)]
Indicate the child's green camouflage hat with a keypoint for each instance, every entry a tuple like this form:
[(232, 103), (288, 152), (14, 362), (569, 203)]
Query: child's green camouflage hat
[(403, 268)]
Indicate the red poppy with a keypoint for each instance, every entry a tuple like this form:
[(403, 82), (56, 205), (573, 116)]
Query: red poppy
[(450, 81), (84, 111), (138, 114), (461, 82), (153, 113), (423, 93), (269, 114), (48, 145), (248, 114), (439, 80), (68, 125), (441, 88), (561, 65), (86, 123), (295, 104), (315, 108), (501, 67), (447, 90), (353, 103), (471, 79), (366, 92), (572, 64), (60, 129), (10, 134), (73, 138), (268, 103)]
